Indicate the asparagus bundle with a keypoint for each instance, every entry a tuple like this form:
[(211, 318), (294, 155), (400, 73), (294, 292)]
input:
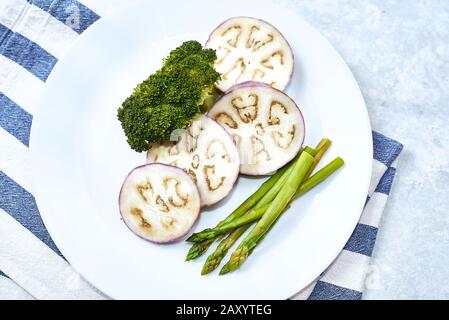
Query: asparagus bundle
[(220, 252), (275, 208), (215, 258), (199, 248), (265, 206)]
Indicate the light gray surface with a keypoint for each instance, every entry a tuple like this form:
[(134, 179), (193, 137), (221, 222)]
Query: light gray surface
[(399, 52)]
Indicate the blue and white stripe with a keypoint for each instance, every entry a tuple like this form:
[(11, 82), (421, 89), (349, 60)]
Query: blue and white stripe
[(34, 34), (345, 278)]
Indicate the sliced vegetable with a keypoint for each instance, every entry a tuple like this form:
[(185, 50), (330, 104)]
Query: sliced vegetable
[(207, 153), (159, 203), (266, 125), (250, 49)]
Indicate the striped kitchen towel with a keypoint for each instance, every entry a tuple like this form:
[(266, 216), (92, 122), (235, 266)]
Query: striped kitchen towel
[(34, 34), (345, 279)]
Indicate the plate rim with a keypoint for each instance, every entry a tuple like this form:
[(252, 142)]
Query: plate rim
[(92, 29)]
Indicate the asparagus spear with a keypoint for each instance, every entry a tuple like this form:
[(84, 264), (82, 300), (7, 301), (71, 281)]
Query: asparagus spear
[(322, 143), (277, 206), (319, 177), (320, 150), (221, 251), (309, 184), (199, 248), (225, 269), (228, 242), (214, 260), (260, 208), (229, 223), (310, 150), (252, 215)]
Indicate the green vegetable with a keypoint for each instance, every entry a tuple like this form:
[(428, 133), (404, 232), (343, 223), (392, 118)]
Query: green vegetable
[(234, 220), (310, 151), (319, 177), (215, 258), (253, 209), (209, 99), (199, 248), (225, 269), (305, 187), (318, 154), (253, 214), (170, 98), (274, 210), (249, 211)]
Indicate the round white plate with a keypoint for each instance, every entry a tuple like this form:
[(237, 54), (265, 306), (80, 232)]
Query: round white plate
[(80, 158)]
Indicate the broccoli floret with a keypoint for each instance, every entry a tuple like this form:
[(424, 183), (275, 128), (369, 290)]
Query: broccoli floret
[(170, 98)]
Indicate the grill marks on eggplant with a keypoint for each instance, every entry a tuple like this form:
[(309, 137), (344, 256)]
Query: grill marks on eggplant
[(246, 108), (275, 108), (143, 222), (275, 58), (180, 200), (226, 120), (145, 190), (258, 39), (213, 182), (265, 123), (232, 35), (162, 205), (250, 49)]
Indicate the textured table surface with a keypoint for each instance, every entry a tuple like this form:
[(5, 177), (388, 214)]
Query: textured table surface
[(399, 52)]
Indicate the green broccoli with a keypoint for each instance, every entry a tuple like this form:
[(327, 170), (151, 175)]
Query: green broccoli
[(170, 98)]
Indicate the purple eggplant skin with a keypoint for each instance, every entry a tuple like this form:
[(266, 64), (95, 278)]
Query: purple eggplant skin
[(263, 21), (174, 240), (255, 85), (247, 84), (237, 174), (241, 85)]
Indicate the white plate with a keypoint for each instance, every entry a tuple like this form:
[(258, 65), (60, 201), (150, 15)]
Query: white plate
[(80, 158)]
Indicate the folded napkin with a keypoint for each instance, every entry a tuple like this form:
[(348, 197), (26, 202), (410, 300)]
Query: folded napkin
[(34, 34)]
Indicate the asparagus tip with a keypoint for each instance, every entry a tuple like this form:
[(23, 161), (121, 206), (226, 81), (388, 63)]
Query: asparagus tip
[(191, 257), (224, 270), (204, 272)]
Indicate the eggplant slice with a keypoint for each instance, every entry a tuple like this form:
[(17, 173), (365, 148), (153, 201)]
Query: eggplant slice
[(159, 203), (266, 125), (250, 49), (207, 153)]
